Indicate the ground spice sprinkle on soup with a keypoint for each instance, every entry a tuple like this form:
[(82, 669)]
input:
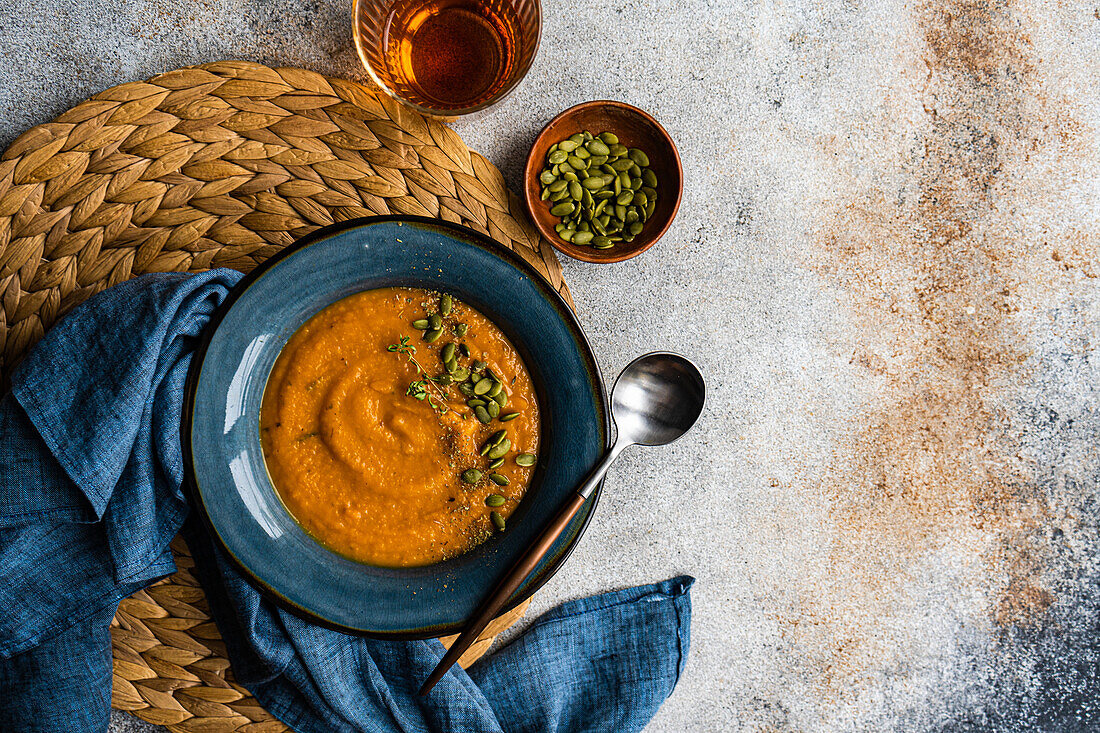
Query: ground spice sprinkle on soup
[(400, 427)]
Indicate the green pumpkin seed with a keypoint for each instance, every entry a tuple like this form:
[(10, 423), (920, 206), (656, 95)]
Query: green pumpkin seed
[(609, 137), (639, 157), (545, 194), (493, 408), (435, 321), (498, 436), (494, 390), (509, 417), (497, 520), (447, 353), (563, 208), (577, 138), (631, 215), (460, 329), (444, 379), (582, 237), (525, 459), (578, 164), (446, 302), (475, 402), (483, 385), (559, 196), (431, 336), (557, 186), (482, 416), (582, 153), (649, 177), (477, 365), (601, 242), (635, 171), (570, 176), (568, 145), (625, 198), (501, 398), (461, 374), (451, 366), (617, 150), (597, 161), (605, 194), (586, 198), (465, 389), (494, 500), (499, 479), (608, 245), (497, 463), (500, 449), (622, 165), (576, 191), (635, 228), (597, 147), (593, 183), (546, 177), (421, 324), (463, 348), (471, 476), (557, 157)]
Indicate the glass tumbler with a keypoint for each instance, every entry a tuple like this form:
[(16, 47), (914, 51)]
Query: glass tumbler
[(447, 57)]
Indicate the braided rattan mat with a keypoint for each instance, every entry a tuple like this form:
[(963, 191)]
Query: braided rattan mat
[(219, 165)]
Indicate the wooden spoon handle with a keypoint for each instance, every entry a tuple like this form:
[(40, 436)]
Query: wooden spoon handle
[(504, 590)]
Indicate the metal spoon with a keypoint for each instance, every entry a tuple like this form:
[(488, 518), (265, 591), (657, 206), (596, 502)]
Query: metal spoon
[(656, 399)]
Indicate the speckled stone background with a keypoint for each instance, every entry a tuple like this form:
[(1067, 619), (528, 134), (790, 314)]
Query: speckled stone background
[(885, 262)]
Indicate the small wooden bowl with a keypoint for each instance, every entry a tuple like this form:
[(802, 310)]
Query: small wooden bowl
[(635, 129)]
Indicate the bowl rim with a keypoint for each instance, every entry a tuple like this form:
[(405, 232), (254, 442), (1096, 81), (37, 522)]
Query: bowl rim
[(190, 481), (530, 170)]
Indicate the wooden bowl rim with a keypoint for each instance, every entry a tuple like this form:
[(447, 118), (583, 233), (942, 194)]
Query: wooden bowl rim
[(531, 199)]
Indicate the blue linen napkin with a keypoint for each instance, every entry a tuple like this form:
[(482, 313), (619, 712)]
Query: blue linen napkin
[(90, 496)]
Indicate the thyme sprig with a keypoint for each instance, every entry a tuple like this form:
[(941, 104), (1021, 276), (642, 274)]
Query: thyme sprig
[(418, 389)]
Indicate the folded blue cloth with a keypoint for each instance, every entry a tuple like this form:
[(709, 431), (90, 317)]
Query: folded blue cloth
[(90, 497)]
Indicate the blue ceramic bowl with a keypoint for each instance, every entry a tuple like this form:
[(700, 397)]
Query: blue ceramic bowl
[(221, 434)]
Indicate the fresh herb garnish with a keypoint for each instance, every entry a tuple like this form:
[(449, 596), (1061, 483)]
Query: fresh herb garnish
[(418, 389)]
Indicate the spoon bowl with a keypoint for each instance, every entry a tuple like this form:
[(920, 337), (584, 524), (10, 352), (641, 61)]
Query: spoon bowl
[(657, 398)]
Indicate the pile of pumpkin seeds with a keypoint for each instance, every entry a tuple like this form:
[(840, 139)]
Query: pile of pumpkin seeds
[(603, 191), (485, 395)]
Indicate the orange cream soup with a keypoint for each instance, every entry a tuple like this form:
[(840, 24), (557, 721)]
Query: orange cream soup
[(371, 472)]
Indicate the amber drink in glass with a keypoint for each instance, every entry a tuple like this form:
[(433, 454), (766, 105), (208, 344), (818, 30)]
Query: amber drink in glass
[(447, 57)]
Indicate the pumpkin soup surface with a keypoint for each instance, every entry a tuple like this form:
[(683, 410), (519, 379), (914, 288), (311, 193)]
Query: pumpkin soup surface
[(400, 427)]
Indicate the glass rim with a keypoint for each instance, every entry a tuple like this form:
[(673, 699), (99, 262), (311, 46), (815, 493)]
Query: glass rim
[(517, 77)]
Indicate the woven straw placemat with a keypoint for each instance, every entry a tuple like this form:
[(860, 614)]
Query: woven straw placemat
[(218, 165)]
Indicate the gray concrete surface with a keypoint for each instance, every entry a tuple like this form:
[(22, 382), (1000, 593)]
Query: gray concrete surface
[(886, 263)]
